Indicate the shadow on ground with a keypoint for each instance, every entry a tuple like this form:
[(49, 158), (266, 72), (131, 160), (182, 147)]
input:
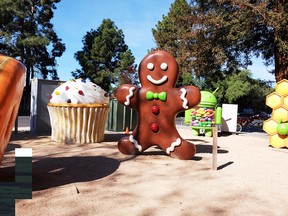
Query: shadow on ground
[(200, 148), (53, 172), (114, 137), (27, 136), (12, 147)]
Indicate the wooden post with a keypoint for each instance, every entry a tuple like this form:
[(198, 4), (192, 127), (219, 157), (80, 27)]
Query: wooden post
[(214, 148)]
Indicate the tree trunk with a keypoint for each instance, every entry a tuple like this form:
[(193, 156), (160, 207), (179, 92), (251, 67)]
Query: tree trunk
[(281, 58), (281, 67)]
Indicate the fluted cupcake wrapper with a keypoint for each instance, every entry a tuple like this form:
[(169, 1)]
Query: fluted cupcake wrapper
[(78, 124)]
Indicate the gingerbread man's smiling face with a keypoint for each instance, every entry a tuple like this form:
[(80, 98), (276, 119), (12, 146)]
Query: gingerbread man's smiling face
[(158, 69)]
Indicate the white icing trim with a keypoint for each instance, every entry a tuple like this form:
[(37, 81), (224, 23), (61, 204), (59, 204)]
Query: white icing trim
[(183, 98), (127, 102), (157, 82), (135, 142), (173, 145), (164, 66)]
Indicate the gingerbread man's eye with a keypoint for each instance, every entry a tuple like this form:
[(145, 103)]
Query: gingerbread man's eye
[(164, 66), (150, 66)]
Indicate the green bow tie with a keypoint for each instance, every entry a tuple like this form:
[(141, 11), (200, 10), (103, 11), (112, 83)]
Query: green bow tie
[(151, 95)]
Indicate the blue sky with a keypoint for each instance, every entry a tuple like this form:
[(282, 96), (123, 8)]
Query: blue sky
[(73, 19)]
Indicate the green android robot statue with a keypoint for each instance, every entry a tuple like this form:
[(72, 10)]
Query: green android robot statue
[(206, 115)]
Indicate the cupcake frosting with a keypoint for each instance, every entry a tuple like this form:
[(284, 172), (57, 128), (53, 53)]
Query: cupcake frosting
[(78, 91)]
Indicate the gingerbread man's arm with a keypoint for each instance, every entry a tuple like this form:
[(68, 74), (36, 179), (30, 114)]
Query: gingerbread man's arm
[(127, 95), (190, 97)]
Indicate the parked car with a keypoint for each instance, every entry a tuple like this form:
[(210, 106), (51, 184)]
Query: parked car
[(245, 115), (261, 115), (243, 118), (248, 110)]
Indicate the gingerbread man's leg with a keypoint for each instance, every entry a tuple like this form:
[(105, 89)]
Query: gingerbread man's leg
[(129, 146), (181, 149)]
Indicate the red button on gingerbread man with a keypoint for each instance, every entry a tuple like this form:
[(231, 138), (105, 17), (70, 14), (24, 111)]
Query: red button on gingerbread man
[(157, 103)]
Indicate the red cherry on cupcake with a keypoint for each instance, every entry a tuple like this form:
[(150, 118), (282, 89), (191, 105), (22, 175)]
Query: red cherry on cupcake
[(155, 110), (154, 127)]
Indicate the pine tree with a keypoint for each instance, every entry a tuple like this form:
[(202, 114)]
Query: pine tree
[(105, 57), (170, 34), (27, 34)]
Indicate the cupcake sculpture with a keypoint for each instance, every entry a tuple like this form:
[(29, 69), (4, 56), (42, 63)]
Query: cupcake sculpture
[(78, 111)]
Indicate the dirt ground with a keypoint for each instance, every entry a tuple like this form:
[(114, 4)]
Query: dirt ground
[(96, 179)]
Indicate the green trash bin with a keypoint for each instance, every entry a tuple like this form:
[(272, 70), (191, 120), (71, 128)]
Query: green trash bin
[(120, 117)]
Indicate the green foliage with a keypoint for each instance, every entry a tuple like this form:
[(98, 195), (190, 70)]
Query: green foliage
[(208, 36), (239, 88), (241, 29), (238, 85), (171, 35), (105, 58), (212, 39), (27, 34)]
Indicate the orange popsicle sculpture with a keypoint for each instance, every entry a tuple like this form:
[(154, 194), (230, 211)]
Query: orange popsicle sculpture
[(12, 75)]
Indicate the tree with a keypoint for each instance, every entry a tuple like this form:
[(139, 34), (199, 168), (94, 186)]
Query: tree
[(267, 34), (105, 58), (170, 35), (178, 34), (238, 29), (127, 70), (225, 34), (27, 34), (240, 88)]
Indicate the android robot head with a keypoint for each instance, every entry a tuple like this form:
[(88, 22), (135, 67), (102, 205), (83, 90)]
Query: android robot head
[(208, 99)]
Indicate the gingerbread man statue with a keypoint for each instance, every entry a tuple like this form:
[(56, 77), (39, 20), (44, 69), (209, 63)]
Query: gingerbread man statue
[(157, 103)]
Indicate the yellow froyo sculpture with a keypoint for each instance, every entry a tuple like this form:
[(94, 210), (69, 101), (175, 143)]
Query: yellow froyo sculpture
[(277, 125)]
